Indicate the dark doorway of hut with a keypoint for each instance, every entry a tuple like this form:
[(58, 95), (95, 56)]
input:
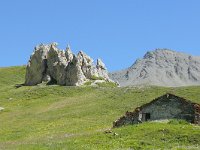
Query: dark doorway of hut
[(146, 116)]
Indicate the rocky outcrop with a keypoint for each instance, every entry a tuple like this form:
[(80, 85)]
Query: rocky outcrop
[(37, 65), (54, 66), (86, 64), (161, 67), (101, 69), (74, 73), (68, 54)]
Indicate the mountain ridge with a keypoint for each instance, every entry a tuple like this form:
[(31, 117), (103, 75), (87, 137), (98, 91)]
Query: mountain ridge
[(161, 67)]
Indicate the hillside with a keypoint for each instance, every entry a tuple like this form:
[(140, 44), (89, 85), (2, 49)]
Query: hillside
[(61, 117), (161, 67)]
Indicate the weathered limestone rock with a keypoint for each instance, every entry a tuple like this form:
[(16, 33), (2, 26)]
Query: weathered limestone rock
[(57, 64), (68, 53), (49, 64), (102, 70), (37, 65), (87, 65), (74, 74)]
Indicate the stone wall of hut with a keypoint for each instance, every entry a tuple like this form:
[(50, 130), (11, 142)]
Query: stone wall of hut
[(165, 107)]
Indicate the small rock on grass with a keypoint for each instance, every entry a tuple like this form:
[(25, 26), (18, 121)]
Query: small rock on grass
[(1, 108)]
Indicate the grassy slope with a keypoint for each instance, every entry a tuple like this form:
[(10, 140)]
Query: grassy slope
[(56, 117)]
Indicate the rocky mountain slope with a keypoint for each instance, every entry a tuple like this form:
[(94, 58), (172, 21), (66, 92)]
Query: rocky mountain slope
[(54, 66), (161, 67)]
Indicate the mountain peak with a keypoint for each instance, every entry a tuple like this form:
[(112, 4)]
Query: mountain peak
[(162, 53), (161, 67)]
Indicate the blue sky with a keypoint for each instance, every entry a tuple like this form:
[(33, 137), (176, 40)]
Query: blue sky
[(116, 31)]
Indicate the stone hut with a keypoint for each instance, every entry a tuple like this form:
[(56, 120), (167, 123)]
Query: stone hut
[(168, 106)]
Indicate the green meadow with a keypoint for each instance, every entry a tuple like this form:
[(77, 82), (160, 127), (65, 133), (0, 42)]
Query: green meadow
[(61, 117)]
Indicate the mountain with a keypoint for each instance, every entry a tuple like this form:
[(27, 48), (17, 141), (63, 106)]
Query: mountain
[(162, 67)]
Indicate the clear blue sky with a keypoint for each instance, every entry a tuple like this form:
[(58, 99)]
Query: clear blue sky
[(118, 31)]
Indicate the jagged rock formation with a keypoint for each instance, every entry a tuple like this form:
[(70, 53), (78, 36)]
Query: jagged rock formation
[(161, 67), (49, 64)]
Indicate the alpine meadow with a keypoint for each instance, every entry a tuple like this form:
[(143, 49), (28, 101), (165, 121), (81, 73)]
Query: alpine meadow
[(64, 117)]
